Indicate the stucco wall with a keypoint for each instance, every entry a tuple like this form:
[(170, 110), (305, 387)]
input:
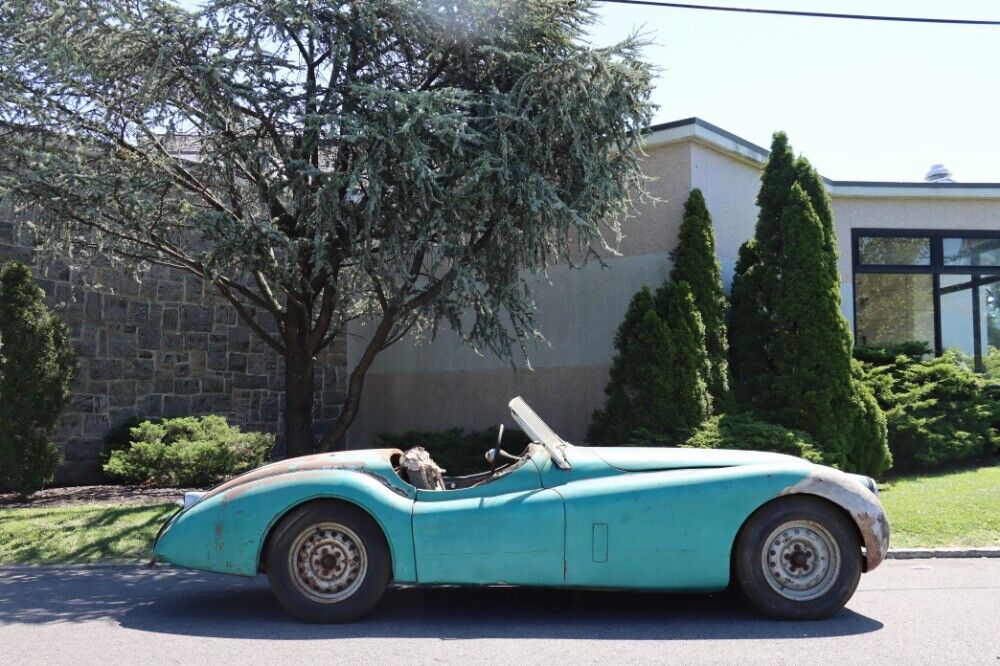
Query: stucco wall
[(445, 384)]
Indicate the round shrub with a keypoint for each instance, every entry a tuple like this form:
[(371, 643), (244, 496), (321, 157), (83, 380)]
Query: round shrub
[(188, 451)]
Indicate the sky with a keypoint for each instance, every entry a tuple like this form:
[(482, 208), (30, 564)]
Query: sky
[(862, 100)]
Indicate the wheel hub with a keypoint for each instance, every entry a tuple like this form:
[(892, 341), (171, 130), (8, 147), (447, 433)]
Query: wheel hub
[(328, 562), (801, 560)]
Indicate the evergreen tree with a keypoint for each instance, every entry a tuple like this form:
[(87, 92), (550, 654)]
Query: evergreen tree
[(790, 345), (696, 264), (811, 380), (657, 392), (814, 385), (37, 366), (755, 282)]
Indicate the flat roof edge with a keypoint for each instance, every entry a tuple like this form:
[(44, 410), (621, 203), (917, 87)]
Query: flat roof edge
[(706, 133)]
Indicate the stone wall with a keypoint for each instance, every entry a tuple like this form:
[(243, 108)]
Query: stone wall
[(163, 345)]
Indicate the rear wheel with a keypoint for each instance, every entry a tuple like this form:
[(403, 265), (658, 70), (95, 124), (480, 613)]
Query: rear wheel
[(799, 559), (328, 562)]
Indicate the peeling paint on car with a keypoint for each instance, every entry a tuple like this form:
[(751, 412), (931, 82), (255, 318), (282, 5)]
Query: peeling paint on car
[(846, 491)]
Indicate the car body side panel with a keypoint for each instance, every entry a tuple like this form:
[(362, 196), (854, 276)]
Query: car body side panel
[(225, 532), (509, 530), (663, 530)]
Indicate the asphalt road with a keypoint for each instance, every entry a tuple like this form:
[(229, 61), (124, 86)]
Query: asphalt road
[(906, 612)]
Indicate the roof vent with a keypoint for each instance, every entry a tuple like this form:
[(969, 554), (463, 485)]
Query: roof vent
[(938, 173)]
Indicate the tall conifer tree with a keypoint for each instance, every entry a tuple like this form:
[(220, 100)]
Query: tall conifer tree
[(791, 345), (696, 264)]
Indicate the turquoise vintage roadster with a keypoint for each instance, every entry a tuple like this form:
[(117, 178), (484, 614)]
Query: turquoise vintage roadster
[(332, 530)]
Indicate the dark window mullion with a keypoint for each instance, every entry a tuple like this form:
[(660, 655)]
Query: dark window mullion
[(936, 286)]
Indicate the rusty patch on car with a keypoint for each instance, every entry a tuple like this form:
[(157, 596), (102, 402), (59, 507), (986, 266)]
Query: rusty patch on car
[(317, 461), (849, 493)]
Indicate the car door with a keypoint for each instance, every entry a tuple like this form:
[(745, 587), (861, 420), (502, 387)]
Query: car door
[(509, 530)]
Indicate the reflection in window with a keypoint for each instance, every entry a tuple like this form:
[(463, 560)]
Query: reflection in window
[(957, 327), (971, 251), (891, 308), (894, 250), (990, 308)]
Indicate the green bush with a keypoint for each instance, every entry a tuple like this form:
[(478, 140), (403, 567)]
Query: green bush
[(790, 343), (696, 264), (747, 433), (458, 452), (188, 451), (938, 410), (658, 380), (881, 355), (992, 363), (37, 367)]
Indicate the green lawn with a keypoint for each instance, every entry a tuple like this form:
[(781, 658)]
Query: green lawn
[(959, 508), (87, 533)]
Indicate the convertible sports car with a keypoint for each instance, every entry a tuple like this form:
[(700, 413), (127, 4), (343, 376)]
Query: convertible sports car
[(332, 530)]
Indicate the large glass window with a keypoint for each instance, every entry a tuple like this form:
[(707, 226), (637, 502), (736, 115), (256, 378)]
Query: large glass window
[(939, 287), (971, 251), (894, 250), (894, 308)]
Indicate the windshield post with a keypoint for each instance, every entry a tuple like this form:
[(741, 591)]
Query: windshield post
[(535, 428)]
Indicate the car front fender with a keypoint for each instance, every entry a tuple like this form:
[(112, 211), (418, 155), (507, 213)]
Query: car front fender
[(847, 492)]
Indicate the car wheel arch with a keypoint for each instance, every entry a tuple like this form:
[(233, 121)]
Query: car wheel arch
[(784, 498), (272, 526)]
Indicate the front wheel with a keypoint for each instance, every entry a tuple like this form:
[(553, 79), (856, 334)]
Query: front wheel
[(798, 559), (328, 562)]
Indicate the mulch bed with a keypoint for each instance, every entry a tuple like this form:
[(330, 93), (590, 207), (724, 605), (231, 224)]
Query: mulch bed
[(92, 495)]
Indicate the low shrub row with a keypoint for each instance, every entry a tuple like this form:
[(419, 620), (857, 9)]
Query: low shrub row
[(938, 409), (188, 451)]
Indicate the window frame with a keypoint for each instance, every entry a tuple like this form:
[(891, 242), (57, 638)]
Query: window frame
[(935, 267)]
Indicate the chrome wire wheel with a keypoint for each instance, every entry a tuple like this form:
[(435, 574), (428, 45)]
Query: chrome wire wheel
[(327, 562), (801, 560)]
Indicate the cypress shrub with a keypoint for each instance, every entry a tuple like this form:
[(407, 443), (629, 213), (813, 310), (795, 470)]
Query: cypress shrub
[(37, 366), (748, 433), (695, 262), (755, 282), (658, 391), (790, 345)]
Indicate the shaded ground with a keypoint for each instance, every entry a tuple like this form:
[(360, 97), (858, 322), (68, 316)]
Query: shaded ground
[(92, 494), (904, 612)]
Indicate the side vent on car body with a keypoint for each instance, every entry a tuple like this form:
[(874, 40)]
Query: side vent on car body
[(600, 542)]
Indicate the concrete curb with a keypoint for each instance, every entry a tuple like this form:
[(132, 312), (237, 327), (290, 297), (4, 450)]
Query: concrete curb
[(931, 553)]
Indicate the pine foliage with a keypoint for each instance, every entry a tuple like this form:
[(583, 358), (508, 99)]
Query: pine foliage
[(695, 262), (37, 366), (791, 345), (658, 390)]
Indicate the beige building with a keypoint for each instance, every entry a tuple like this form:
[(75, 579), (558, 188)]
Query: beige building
[(918, 261)]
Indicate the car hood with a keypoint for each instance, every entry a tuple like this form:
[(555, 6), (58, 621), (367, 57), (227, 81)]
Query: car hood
[(637, 459)]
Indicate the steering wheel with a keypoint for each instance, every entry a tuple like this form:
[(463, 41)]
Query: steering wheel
[(494, 453)]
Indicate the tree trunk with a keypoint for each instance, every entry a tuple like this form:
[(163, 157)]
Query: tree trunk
[(300, 374), (355, 384)]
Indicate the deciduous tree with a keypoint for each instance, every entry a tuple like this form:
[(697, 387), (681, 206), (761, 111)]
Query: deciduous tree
[(398, 163)]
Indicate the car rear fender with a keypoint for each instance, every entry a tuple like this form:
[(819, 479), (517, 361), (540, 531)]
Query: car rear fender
[(227, 532)]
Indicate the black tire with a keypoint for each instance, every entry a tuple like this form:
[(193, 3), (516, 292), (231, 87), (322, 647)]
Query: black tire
[(810, 589), (325, 532)]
